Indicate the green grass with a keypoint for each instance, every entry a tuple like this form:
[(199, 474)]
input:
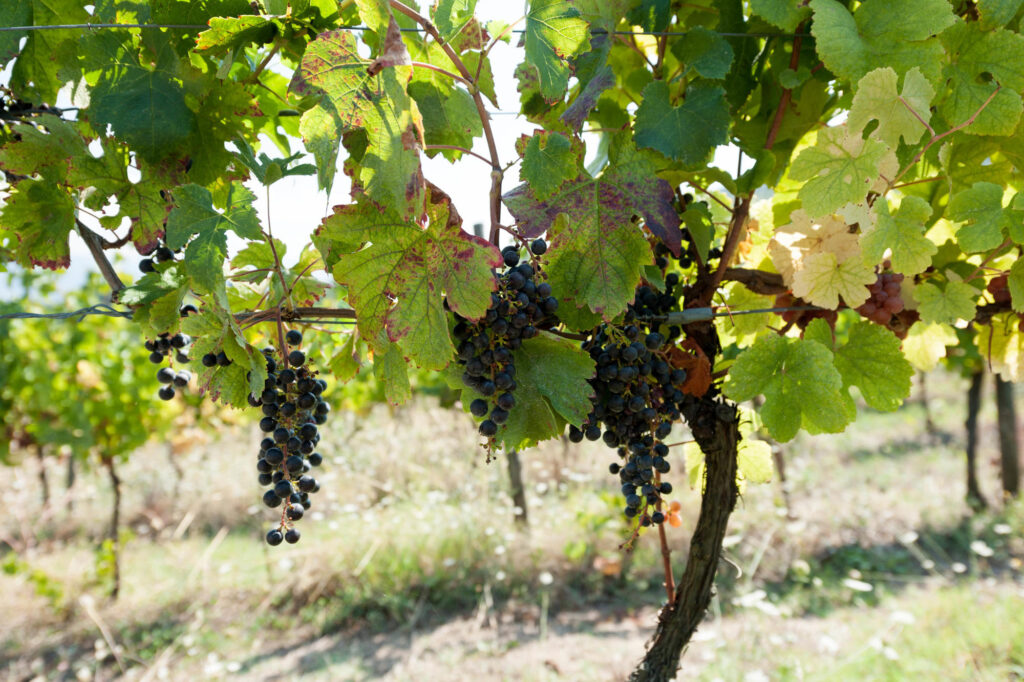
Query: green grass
[(413, 534)]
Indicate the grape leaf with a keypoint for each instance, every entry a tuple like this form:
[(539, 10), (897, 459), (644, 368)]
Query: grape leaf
[(705, 52), (49, 57), (144, 104), (839, 169), (926, 344), (375, 14), (586, 100), (559, 370), (981, 209), (872, 361), (47, 148), (1002, 344), (194, 217), (452, 15), (800, 383), (754, 460), (878, 99), (227, 34), (345, 363), (13, 13), (902, 233), (449, 117), (389, 171), (688, 133), (979, 62), (548, 163), (786, 14), (554, 33), (597, 253), (805, 236), (40, 216), (956, 301), (697, 221), (822, 280), (417, 266), (1015, 283), (875, 36), (390, 370), (997, 13)]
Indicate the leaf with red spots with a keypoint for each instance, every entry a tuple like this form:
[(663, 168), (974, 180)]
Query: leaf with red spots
[(36, 222), (597, 250), (359, 93), (399, 282)]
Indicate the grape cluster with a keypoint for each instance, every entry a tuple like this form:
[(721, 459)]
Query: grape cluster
[(999, 287), (802, 318), (293, 409), (637, 396), (886, 299), (162, 254), (521, 306), (163, 348)]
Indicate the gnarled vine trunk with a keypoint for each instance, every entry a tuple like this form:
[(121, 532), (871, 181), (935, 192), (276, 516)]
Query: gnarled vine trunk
[(716, 430), (517, 489)]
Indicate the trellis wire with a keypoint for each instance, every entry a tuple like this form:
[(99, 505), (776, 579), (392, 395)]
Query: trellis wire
[(196, 27), (680, 317)]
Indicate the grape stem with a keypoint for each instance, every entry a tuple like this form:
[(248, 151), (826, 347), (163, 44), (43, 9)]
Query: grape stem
[(666, 553)]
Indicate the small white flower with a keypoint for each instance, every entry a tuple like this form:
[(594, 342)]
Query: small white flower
[(959, 567), (981, 549), (1001, 529), (546, 578)]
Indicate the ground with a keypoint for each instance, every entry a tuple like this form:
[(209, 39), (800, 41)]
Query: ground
[(412, 567)]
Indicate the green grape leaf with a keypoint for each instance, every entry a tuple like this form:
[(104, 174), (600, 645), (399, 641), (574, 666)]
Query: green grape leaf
[(651, 15), (697, 221), (559, 370), (823, 279), (1015, 283), (391, 371), (839, 169), (704, 52), (875, 36), (449, 117), (872, 361), (997, 13), (195, 217), (319, 130), (144, 104), (345, 364), (375, 14), (926, 344), (165, 311), (901, 232), (688, 133), (786, 14), (227, 34), (979, 62), (800, 383), (878, 99), (419, 267), (597, 253), (1002, 344), (13, 13), (554, 33), (39, 216), (151, 286), (549, 162), (47, 148), (452, 15), (49, 57), (980, 208), (956, 301)]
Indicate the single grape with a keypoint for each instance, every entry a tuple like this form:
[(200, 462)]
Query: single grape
[(274, 537), (293, 337)]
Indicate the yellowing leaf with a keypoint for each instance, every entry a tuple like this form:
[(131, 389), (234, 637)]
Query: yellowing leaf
[(1002, 343), (823, 280), (926, 343), (839, 169), (901, 233), (804, 236), (877, 99)]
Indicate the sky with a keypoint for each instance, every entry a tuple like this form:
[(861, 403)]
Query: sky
[(296, 205)]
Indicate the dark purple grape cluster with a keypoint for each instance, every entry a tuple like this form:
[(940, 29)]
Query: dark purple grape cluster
[(293, 410), (521, 306), (637, 397), (173, 349)]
